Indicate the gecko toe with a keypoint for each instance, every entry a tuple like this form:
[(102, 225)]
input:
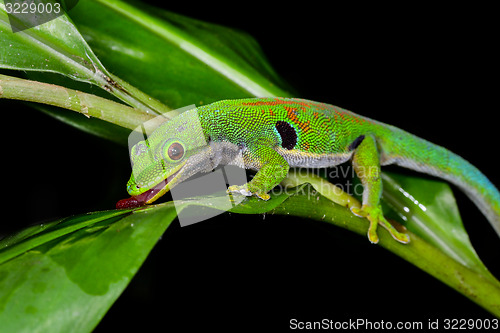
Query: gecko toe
[(243, 190)]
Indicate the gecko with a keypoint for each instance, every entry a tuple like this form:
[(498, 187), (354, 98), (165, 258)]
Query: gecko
[(273, 135)]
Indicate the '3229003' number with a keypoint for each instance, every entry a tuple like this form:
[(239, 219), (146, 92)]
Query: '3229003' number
[(32, 8), (463, 324)]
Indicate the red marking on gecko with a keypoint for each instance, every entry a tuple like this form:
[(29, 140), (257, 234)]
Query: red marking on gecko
[(292, 115), (305, 126), (352, 119), (275, 102)]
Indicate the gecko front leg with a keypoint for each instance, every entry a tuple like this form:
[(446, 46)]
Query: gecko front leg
[(366, 163), (273, 168)]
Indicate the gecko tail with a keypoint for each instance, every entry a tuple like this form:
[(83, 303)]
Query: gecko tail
[(476, 186), (409, 151)]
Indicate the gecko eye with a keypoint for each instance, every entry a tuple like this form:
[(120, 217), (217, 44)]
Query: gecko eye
[(175, 151)]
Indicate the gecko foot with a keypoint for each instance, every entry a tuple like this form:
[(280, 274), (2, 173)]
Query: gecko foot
[(376, 217), (243, 190)]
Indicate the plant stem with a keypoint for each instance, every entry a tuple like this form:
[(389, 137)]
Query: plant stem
[(86, 104)]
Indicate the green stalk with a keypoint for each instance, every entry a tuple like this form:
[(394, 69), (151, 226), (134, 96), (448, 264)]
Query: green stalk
[(86, 104), (75, 58)]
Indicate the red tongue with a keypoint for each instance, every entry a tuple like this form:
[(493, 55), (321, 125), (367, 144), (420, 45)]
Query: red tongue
[(131, 202), (141, 199)]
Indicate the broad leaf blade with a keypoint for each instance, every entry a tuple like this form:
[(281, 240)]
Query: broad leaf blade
[(178, 60), (81, 264), (476, 284), (53, 252), (428, 208), (57, 46)]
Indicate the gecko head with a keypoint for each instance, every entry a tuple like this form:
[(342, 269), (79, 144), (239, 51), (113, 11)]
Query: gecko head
[(175, 151)]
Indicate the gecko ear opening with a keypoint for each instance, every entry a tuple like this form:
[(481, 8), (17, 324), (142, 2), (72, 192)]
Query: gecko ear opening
[(356, 142)]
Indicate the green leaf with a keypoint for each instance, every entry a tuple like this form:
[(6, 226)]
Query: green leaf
[(81, 264), (178, 60), (476, 284), (57, 46), (428, 208)]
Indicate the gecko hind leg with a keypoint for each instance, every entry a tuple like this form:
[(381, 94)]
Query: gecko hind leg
[(365, 161), (340, 197), (376, 217)]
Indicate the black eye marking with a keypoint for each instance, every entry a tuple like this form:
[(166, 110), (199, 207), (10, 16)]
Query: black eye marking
[(287, 133), (356, 142), (175, 151)]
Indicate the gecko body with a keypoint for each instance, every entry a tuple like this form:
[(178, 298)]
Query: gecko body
[(273, 134)]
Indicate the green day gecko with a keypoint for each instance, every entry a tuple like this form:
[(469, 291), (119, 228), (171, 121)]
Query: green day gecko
[(274, 134)]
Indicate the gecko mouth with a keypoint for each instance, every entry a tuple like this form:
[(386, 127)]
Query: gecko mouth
[(150, 195)]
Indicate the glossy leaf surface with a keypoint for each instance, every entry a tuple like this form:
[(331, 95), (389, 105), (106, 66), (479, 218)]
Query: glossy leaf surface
[(81, 264), (65, 276)]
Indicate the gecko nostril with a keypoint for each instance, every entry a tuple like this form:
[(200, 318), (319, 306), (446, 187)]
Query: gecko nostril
[(140, 148), (133, 187)]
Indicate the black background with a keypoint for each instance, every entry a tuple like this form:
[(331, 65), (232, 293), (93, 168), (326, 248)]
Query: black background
[(431, 71)]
